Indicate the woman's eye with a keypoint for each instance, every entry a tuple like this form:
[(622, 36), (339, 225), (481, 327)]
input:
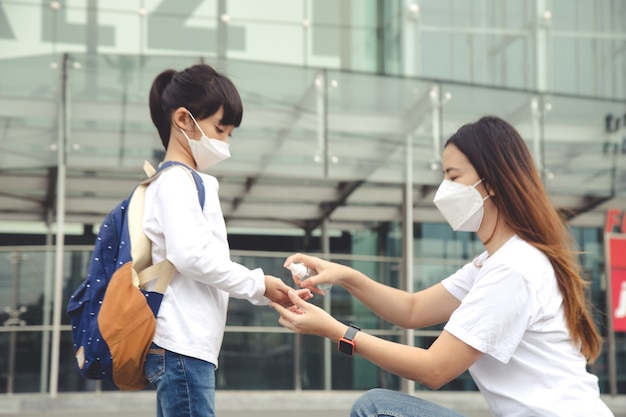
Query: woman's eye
[(218, 130)]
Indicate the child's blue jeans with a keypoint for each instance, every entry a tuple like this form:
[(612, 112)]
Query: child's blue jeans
[(185, 386)]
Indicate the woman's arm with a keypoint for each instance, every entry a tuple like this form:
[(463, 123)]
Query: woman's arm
[(443, 361), (421, 309), (424, 308), (446, 359)]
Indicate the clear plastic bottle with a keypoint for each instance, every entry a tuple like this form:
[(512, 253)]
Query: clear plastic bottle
[(303, 272)]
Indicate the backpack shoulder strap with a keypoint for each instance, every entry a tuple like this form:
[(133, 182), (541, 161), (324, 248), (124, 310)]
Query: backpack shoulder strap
[(154, 173), (141, 247), (143, 270), (148, 169)]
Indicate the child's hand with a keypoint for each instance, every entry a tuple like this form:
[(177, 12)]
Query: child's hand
[(278, 292)]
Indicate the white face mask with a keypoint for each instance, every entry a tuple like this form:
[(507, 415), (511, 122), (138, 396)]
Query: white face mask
[(207, 151), (461, 205)]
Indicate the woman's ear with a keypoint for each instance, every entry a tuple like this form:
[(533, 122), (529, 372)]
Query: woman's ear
[(489, 190), (181, 119)]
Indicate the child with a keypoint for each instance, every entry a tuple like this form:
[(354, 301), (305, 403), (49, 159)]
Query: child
[(195, 112)]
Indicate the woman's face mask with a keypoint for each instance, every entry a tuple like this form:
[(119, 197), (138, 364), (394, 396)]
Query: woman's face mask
[(207, 151), (461, 205)]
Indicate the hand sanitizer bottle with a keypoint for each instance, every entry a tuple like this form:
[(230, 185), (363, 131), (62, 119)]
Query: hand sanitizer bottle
[(303, 272)]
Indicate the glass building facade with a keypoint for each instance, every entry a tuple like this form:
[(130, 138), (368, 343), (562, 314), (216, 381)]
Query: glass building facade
[(347, 104)]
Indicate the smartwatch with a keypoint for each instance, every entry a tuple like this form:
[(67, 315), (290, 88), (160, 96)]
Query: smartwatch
[(346, 344)]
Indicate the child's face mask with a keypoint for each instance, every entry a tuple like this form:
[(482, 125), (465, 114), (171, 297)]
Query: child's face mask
[(206, 151)]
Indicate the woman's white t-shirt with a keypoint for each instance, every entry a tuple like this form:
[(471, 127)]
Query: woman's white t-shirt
[(512, 311), (192, 316)]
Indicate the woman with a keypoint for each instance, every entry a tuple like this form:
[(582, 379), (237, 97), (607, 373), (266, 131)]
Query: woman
[(195, 112), (516, 316)]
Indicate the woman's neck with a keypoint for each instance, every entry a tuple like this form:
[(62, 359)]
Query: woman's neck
[(498, 240), (495, 234)]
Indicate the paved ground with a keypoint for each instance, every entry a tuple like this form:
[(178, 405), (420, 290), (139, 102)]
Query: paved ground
[(233, 404)]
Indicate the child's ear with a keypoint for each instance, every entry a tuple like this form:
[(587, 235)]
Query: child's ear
[(181, 119)]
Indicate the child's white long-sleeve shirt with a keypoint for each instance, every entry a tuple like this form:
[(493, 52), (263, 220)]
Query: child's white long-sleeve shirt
[(192, 316)]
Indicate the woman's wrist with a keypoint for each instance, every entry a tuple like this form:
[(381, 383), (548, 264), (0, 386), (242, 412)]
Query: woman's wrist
[(337, 332), (351, 278)]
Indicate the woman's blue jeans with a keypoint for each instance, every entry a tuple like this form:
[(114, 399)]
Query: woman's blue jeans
[(185, 386), (382, 402)]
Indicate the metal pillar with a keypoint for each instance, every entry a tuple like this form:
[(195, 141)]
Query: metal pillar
[(542, 38), (222, 29), (14, 313), (411, 44), (60, 232), (408, 386), (47, 308), (328, 357), (322, 154), (536, 114)]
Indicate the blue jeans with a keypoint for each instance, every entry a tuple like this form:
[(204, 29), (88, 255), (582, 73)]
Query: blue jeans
[(185, 386), (383, 402)]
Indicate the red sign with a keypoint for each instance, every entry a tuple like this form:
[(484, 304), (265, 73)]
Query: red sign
[(615, 221), (617, 275)]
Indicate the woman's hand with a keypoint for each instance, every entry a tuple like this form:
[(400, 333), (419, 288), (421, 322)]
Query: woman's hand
[(326, 272), (307, 318), (277, 291)]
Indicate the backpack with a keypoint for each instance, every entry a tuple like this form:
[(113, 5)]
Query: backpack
[(113, 318)]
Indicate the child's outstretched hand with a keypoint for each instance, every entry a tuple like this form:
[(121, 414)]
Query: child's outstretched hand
[(278, 292)]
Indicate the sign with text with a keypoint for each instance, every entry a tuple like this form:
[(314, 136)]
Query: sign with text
[(616, 263), (615, 221), (615, 232)]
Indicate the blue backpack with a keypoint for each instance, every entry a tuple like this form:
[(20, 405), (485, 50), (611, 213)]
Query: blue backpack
[(113, 318)]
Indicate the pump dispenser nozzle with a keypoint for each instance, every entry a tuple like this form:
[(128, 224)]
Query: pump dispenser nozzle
[(303, 272)]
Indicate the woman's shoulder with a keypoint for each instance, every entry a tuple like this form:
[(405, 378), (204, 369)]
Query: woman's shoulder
[(520, 256), (518, 247)]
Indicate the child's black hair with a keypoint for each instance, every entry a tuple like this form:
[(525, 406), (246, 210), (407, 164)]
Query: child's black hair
[(200, 89)]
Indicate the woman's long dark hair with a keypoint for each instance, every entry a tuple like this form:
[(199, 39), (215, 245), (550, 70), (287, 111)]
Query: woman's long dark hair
[(200, 89), (500, 156)]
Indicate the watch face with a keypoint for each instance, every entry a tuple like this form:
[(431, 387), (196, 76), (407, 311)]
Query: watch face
[(346, 347)]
